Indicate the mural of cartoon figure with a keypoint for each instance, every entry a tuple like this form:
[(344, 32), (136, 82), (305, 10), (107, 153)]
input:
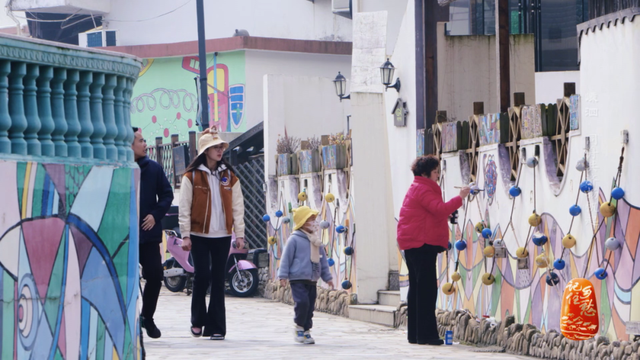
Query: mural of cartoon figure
[(68, 261)]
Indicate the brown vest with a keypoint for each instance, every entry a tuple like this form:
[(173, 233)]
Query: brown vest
[(201, 202)]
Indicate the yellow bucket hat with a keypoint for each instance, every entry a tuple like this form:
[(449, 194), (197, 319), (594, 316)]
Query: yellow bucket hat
[(209, 138), (301, 215)]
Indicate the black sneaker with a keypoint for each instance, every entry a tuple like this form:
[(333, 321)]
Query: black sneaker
[(217, 337), (152, 330)]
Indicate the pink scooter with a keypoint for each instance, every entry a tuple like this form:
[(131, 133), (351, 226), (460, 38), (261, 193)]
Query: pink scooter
[(242, 275)]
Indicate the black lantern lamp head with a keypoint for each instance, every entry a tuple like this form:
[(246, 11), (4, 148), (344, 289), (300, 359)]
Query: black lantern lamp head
[(386, 71), (340, 83)]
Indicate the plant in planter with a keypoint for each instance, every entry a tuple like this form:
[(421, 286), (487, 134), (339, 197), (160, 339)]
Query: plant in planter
[(286, 160), (334, 156), (309, 156)]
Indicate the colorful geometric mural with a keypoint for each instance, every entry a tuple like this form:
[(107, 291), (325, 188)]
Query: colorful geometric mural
[(165, 98), (525, 294), (489, 129), (68, 261)]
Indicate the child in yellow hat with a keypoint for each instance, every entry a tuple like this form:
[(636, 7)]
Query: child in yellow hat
[(303, 262)]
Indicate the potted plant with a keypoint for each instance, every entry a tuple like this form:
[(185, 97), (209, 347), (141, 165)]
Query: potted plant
[(309, 156), (286, 160), (334, 156)]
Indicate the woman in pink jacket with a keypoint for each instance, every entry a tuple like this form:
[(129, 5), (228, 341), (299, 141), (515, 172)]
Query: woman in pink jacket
[(422, 234)]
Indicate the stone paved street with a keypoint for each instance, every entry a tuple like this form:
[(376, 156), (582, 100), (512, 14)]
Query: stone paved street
[(262, 329)]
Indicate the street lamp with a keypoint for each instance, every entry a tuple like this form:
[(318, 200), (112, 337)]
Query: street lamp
[(386, 70), (341, 86)]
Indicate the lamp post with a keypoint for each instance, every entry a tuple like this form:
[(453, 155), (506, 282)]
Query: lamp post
[(340, 83), (386, 71), (202, 54)]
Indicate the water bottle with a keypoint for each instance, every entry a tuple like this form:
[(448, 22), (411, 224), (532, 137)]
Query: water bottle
[(448, 337)]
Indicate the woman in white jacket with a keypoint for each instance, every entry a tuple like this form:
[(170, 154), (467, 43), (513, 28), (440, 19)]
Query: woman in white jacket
[(211, 207)]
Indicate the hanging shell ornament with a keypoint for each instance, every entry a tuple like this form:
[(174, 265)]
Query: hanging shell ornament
[(579, 319), (448, 288), (522, 253), (569, 241), (329, 198), (456, 276), (488, 279), (489, 251), (607, 209), (535, 219)]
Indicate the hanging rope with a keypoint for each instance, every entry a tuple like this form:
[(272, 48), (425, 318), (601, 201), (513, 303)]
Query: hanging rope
[(513, 206)]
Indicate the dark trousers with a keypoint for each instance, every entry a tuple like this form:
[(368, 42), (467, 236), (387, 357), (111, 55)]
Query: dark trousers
[(423, 293), (151, 262), (304, 295), (209, 261)]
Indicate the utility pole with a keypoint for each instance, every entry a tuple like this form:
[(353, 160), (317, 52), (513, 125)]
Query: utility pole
[(502, 45), (202, 50)]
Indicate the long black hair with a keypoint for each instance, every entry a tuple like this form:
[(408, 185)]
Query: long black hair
[(202, 160)]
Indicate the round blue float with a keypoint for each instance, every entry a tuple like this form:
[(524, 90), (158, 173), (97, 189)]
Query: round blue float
[(486, 233), (540, 239), (552, 279), (449, 246), (266, 217), (515, 191), (559, 264), (600, 274), (340, 229), (279, 213), (586, 186), (348, 251), (474, 190), (461, 245), (575, 210), (331, 262), (617, 193), (346, 284), (324, 224)]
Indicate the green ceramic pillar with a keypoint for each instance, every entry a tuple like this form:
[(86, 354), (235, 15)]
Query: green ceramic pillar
[(71, 113), (57, 112), (119, 117), (44, 111), (16, 108), (108, 114), (99, 128), (84, 114), (5, 119)]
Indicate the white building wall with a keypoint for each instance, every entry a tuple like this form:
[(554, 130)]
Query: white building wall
[(549, 83), (395, 17), (261, 63), (167, 21)]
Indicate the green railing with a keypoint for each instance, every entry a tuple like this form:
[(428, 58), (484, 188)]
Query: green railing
[(63, 101)]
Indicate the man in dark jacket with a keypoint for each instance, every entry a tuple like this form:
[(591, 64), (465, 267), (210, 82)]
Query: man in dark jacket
[(156, 196)]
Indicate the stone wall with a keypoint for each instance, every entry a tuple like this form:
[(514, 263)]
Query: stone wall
[(335, 302)]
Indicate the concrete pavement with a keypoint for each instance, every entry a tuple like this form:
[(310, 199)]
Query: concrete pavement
[(258, 328)]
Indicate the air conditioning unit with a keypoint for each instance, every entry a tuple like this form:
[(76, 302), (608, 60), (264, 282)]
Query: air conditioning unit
[(342, 8), (99, 38)]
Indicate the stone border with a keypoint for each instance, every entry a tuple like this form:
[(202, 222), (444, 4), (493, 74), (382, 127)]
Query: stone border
[(335, 302)]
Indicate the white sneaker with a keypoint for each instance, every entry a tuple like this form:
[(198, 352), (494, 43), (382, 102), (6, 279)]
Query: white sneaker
[(308, 339), (298, 334)]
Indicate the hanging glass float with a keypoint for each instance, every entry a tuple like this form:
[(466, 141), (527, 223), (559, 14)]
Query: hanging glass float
[(486, 233), (456, 276), (575, 210), (532, 162), (617, 193), (552, 279), (489, 251), (329, 198), (600, 274), (607, 209), (340, 229), (348, 251), (279, 213), (586, 186), (522, 252), (324, 224), (266, 217), (613, 244), (559, 264), (542, 261), (515, 191), (448, 288), (488, 279), (569, 241), (535, 220), (272, 240), (539, 239), (461, 245), (331, 262), (346, 284), (479, 227)]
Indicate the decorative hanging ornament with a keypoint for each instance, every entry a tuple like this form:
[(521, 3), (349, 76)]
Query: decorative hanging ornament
[(456, 276), (348, 251), (448, 288), (286, 220), (522, 253), (340, 229), (486, 233), (552, 279), (474, 189), (535, 220), (559, 264), (266, 217), (617, 193), (488, 279), (324, 224), (586, 186), (346, 284), (613, 244), (272, 240), (539, 238), (575, 210), (489, 251), (515, 191), (461, 245), (579, 319), (329, 198), (568, 241), (479, 227), (542, 261), (331, 262), (449, 246), (279, 213), (607, 209), (302, 196), (582, 165), (600, 274), (532, 162)]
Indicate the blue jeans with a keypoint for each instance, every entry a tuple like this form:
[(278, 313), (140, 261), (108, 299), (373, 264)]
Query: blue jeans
[(304, 295)]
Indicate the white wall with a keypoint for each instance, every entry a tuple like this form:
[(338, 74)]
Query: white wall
[(260, 63), (395, 15), (143, 21), (96, 7), (549, 85), (6, 21), (306, 106)]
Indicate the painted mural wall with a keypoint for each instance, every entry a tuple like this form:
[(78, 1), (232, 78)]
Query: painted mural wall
[(165, 98), (68, 261)]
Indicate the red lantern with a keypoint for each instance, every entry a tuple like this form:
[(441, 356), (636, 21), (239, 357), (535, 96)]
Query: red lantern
[(579, 319)]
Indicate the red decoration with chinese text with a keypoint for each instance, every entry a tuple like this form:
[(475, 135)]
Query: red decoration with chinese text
[(579, 319)]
